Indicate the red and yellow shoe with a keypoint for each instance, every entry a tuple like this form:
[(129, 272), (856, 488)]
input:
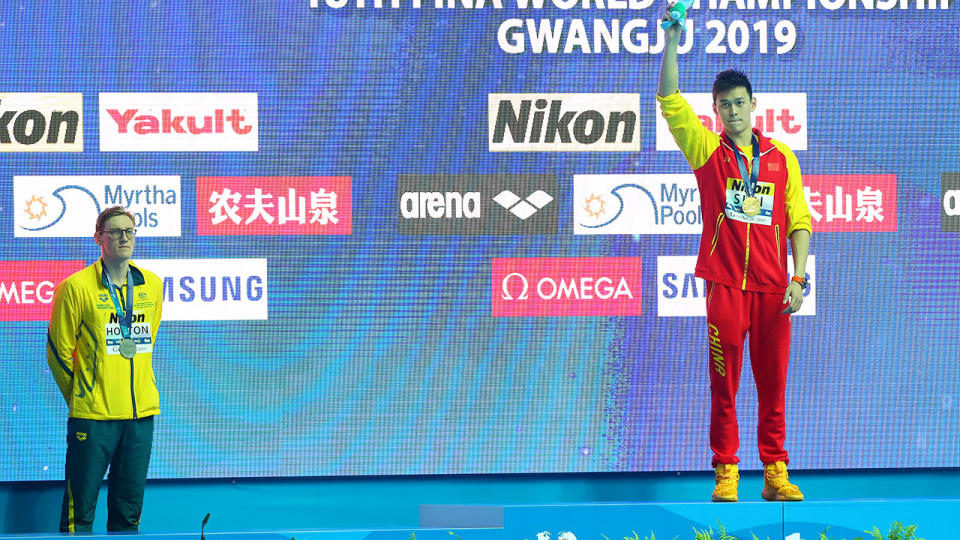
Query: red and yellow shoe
[(727, 477), (776, 484)]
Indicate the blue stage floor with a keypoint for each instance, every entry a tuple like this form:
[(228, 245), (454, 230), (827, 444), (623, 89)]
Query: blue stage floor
[(937, 519)]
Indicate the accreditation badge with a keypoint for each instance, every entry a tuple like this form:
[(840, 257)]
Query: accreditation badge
[(139, 341), (738, 206)]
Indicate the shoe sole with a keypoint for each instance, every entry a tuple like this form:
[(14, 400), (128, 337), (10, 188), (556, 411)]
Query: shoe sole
[(723, 500), (779, 498)]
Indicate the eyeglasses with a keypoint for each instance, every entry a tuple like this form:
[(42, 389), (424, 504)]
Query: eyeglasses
[(117, 234)]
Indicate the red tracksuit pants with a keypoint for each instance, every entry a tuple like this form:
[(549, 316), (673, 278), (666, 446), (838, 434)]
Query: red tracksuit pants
[(731, 315)]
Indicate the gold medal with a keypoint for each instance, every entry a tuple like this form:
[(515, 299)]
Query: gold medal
[(751, 206)]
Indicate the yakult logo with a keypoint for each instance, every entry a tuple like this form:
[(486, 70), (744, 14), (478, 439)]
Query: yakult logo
[(681, 294), (566, 287), (852, 202), (27, 287), (178, 122), (780, 116), (636, 204), (950, 200), (564, 122), (211, 289), (36, 122)]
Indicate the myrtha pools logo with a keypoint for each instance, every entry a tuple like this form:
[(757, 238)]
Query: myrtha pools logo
[(636, 204), (68, 206)]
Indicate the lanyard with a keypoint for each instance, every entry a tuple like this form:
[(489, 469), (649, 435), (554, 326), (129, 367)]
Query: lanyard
[(125, 319), (749, 181)]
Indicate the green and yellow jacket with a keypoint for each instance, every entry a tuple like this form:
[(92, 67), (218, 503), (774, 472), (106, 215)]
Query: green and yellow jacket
[(83, 345)]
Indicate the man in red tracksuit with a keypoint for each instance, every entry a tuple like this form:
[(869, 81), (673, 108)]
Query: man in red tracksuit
[(752, 201)]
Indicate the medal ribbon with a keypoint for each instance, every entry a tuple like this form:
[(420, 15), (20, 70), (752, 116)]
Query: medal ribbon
[(124, 319), (749, 181)]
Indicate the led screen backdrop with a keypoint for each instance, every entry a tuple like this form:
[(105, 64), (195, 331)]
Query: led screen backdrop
[(422, 239)]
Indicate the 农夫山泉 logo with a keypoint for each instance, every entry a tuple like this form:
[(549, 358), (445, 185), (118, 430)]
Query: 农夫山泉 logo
[(851, 202), (681, 294), (211, 289), (26, 287), (581, 286), (41, 122), (179, 122), (477, 204), (564, 122), (780, 116), (636, 204), (950, 202), (274, 205), (68, 206)]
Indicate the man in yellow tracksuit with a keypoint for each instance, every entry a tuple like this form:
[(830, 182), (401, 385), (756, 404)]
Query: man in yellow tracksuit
[(99, 348)]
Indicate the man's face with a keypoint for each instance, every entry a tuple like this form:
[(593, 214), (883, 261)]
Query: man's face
[(115, 240), (734, 107)]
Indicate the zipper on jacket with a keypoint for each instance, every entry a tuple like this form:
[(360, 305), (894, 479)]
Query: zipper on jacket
[(746, 259), (716, 233), (776, 232)]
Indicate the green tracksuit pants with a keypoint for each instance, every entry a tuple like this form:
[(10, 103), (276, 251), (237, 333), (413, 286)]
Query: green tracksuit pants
[(92, 446)]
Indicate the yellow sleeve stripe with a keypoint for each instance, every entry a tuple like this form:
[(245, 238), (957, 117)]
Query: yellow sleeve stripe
[(798, 214)]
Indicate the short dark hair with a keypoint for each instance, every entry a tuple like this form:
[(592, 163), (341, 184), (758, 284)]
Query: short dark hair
[(113, 211), (730, 79)]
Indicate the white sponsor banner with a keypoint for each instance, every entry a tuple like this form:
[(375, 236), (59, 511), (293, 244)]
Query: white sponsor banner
[(564, 122), (178, 122), (636, 204), (780, 116), (41, 122), (68, 206), (681, 294), (211, 289)]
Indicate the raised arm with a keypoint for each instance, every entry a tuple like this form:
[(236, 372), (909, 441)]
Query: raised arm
[(667, 84)]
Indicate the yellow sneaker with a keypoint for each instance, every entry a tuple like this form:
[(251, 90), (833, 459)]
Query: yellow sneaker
[(727, 477), (776, 484)]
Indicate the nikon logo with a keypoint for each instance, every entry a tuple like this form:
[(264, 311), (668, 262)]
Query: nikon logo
[(32, 122), (564, 122)]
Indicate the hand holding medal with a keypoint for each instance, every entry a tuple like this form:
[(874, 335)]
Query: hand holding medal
[(677, 14)]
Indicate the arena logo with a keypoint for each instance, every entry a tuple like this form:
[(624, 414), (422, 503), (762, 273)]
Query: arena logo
[(780, 116), (636, 204), (950, 199), (178, 122), (681, 294), (564, 122), (852, 202), (27, 287), (68, 206), (587, 286), (274, 205), (211, 289), (41, 122), (477, 204)]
